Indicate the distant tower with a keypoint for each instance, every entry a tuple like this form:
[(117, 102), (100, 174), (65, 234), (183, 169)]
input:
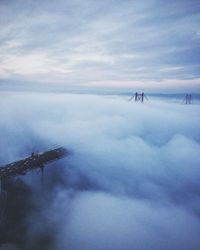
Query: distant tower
[(188, 99), (138, 97)]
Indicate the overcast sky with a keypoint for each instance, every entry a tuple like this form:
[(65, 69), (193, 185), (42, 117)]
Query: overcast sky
[(152, 44)]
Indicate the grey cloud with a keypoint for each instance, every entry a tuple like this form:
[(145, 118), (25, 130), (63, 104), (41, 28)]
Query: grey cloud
[(160, 34), (132, 181)]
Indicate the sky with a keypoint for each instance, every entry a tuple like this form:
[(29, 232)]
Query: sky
[(145, 45)]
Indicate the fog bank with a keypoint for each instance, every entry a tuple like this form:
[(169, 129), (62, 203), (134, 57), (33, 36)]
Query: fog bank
[(131, 181)]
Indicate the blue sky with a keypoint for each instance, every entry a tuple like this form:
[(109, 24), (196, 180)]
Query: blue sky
[(148, 45)]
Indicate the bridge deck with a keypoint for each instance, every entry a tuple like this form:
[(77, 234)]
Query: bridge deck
[(32, 162)]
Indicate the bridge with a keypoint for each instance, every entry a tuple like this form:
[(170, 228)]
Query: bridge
[(32, 162), (138, 97)]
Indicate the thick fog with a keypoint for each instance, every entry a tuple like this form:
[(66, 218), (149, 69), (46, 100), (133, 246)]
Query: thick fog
[(132, 180)]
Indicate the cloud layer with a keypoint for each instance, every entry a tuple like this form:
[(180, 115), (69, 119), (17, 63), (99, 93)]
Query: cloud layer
[(97, 43), (132, 181)]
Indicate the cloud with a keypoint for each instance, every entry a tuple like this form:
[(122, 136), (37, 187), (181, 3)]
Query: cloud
[(131, 182), (107, 41), (101, 221)]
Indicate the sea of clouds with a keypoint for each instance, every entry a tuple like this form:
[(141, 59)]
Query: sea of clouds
[(131, 182)]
